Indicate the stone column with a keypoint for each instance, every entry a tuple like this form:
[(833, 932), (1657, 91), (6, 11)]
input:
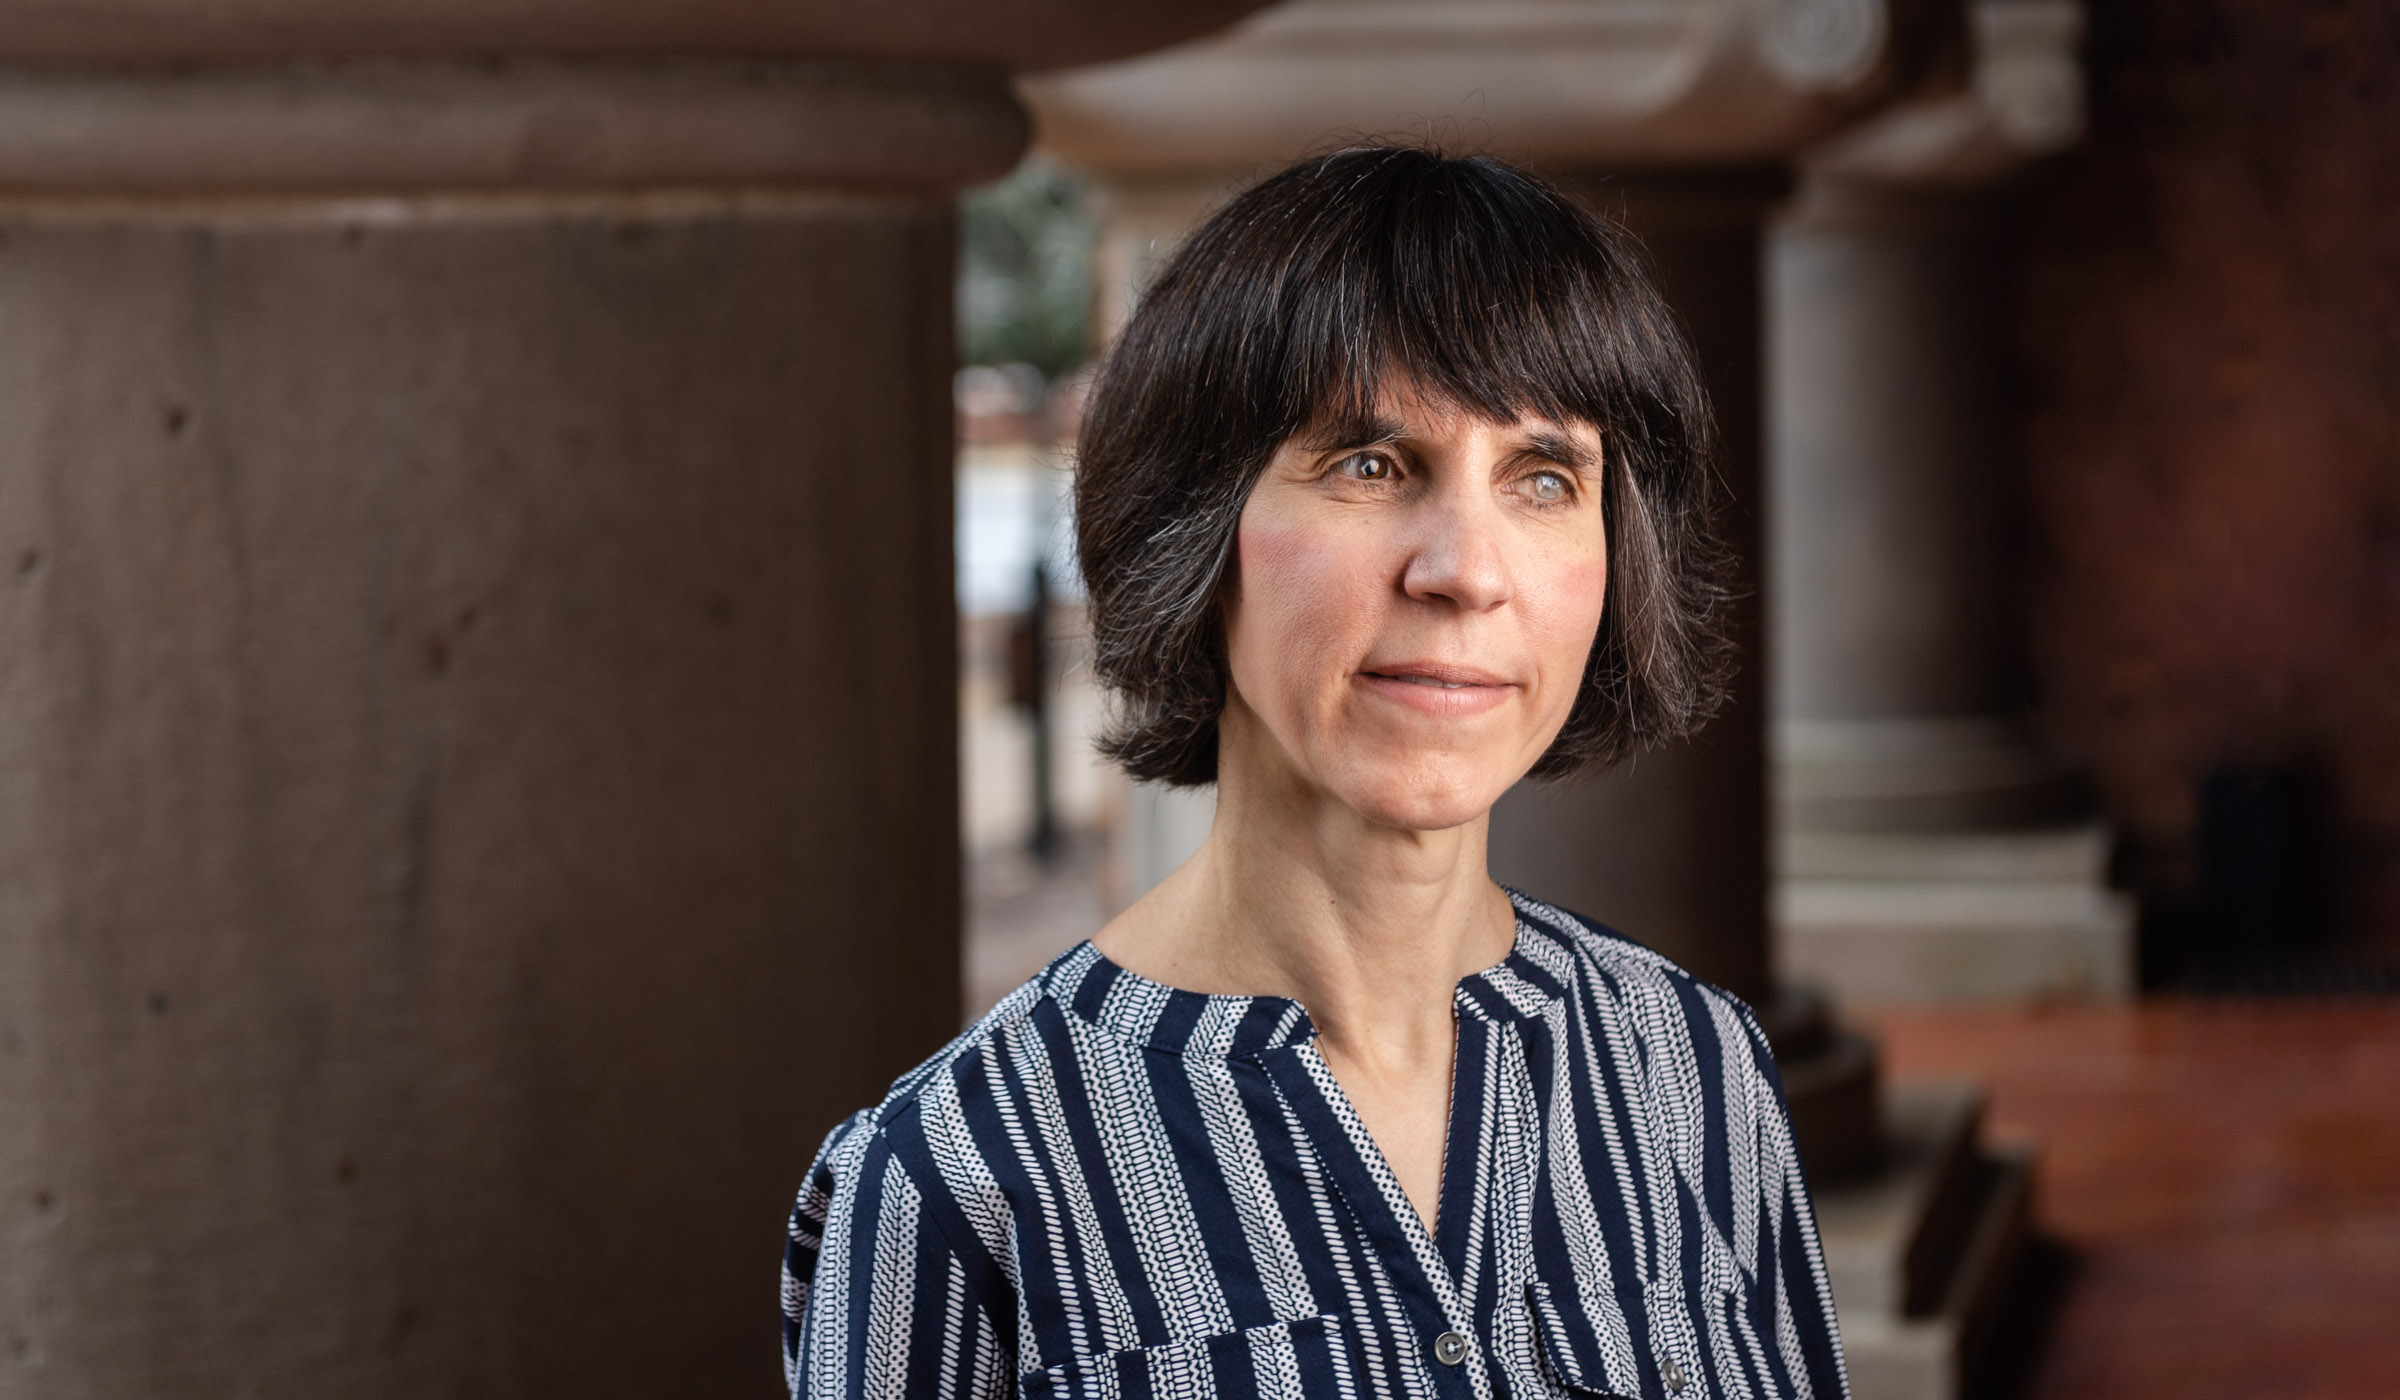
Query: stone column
[(1931, 847), (477, 789)]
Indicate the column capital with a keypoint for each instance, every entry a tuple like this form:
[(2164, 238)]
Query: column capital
[(429, 126), (1018, 34), (2023, 100), (144, 99), (1555, 82), (380, 127)]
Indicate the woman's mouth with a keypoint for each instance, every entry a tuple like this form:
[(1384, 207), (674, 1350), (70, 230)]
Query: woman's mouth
[(1438, 690)]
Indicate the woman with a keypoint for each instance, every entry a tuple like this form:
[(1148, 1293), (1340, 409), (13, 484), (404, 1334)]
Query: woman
[(1393, 492)]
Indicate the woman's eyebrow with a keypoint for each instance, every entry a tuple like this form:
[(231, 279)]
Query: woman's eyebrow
[(1350, 431), (1564, 449)]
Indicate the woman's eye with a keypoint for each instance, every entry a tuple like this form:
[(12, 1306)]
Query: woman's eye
[(1547, 486), (1365, 466)]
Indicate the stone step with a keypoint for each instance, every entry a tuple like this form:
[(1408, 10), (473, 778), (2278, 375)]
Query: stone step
[(1915, 942), (1888, 1235), (1922, 1255), (2075, 855)]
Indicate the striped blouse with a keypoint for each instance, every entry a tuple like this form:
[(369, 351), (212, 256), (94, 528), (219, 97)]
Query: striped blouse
[(1109, 1187)]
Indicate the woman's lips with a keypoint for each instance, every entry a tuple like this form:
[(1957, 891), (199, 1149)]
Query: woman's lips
[(1438, 690)]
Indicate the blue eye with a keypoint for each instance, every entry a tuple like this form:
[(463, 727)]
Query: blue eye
[(1547, 486)]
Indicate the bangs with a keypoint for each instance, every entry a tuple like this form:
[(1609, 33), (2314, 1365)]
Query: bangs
[(1495, 295)]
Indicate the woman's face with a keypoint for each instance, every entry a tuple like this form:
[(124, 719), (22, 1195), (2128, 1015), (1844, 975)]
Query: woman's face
[(1410, 615)]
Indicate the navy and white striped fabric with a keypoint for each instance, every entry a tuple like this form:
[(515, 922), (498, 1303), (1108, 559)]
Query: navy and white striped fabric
[(1112, 1188)]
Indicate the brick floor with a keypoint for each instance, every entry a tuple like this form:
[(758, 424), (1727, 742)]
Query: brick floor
[(2224, 1177)]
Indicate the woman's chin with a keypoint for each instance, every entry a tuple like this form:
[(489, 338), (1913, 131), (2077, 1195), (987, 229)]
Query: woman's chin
[(1421, 801)]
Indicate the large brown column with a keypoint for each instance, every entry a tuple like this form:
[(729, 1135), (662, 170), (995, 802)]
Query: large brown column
[(1672, 845), (477, 790)]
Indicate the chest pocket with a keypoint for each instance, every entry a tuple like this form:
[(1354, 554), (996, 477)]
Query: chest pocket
[(1304, 1359), (1638, 1344)]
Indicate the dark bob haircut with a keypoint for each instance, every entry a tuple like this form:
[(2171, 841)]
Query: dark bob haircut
[(1283, 312)]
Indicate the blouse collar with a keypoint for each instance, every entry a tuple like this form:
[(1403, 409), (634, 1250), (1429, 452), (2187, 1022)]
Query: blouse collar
[(1522, 986)]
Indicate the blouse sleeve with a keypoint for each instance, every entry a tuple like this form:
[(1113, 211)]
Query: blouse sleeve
[(875, 1301), (1809, 1335)]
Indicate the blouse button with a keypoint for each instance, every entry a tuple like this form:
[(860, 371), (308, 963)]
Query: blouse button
[(1450, 1348), (1671, 1371)]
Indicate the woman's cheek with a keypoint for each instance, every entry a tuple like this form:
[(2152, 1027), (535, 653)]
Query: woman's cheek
[(1298, 591), (1585, 586), (1576, 592), (1270, 549)]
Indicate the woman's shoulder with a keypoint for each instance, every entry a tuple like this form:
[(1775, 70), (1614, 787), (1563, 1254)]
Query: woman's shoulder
[(1663, 999), (939, 1076)]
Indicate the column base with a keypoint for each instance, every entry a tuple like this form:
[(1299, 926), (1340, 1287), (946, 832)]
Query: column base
[(1830, 1082), (1913, 917), (1965, 773), (1923, 1252)]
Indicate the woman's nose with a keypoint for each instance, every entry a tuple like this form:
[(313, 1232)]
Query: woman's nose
[(1459, 556)]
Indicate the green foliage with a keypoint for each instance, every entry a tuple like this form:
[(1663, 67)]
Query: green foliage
[(1025, 271)]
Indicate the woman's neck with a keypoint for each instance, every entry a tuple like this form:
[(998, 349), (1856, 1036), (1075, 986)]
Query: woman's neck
[(1369, 928)]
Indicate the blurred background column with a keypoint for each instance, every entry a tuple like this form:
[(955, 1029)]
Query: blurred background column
[(478, 791), (1931, 846)]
